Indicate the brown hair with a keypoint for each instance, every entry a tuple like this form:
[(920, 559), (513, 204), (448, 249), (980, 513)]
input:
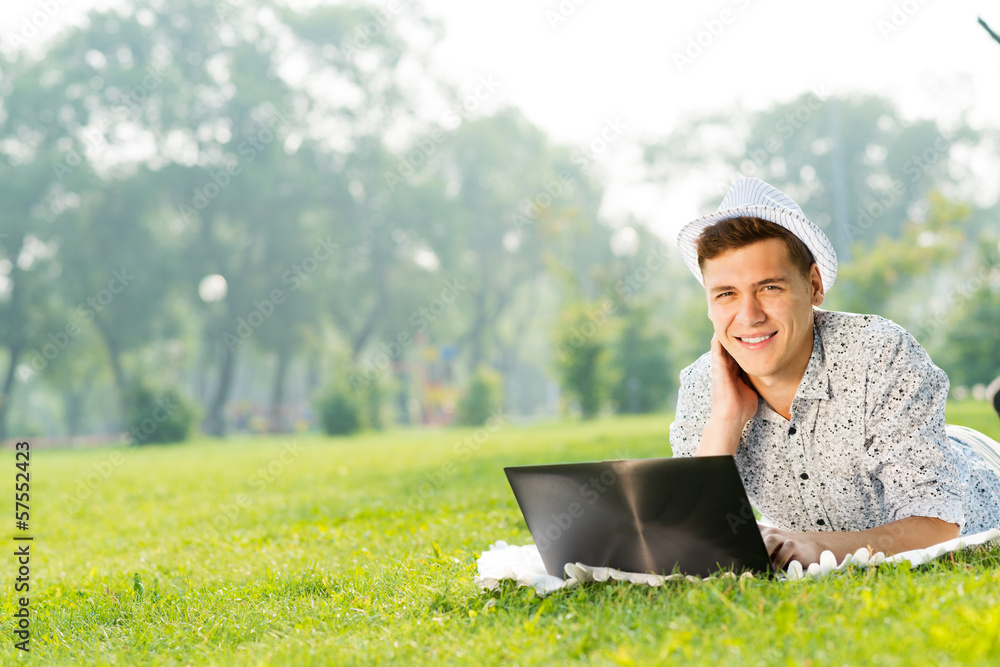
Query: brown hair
[(739, 232)]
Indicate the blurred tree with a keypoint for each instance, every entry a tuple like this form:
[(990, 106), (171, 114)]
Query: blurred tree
[(691, 330), (361, 53), (854, 164), (339, 409), (388, 267), (641, 363), (74, 375), (959, 324), (117, 267), (877, 279), (290, 151), (184, 124), (583, 338), (482, 397), (34, 327), (520, 204), (653, 294), (32, 331), (158, 414), (972, 352), (273, 231)]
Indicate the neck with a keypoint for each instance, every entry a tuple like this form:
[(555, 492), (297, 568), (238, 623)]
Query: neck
[(780, 398), (779, 389)]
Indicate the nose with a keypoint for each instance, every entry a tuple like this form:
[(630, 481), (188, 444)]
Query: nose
[(750, 313)]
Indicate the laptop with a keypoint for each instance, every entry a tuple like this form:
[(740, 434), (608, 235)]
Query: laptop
[(659, 516)]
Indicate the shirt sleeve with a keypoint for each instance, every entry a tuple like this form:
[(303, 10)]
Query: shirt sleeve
[(908, 451), (694, 403)]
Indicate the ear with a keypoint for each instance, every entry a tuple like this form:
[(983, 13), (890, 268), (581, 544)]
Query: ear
[(816, 285)]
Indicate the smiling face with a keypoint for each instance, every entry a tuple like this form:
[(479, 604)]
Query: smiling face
[(760, 305)]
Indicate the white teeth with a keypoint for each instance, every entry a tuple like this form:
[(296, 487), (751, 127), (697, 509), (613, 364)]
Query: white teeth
[(759, 339)]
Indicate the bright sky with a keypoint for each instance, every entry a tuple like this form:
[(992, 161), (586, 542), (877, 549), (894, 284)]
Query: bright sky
[(576, 66), (622, 59)]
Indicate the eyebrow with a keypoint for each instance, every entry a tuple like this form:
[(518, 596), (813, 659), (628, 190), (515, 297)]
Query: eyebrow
[(759, 283)]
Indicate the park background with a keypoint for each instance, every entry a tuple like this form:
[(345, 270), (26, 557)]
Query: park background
[(256, 217), (350, 260)]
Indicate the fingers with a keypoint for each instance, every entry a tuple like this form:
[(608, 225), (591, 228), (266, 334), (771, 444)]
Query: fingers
[(716, 348), (719, 349), (783, 548), (772, 541), (733, 398), (721, 357), (780, 547), (784, 555), (719, 363)]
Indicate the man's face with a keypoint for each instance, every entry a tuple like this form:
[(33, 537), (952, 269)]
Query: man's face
[(760, 305)]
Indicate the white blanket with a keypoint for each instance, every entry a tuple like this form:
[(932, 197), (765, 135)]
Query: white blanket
[(523, 564)]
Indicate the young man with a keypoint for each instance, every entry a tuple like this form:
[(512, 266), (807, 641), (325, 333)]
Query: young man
[(836, 420)]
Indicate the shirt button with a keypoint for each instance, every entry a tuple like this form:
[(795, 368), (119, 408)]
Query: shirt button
[(791, 431), (821, 522), (804, 475)]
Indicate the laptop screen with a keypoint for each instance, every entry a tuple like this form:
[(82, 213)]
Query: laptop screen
[(688, 515)]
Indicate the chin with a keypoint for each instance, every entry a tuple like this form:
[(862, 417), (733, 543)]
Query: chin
[(755, 372), (755, 368)]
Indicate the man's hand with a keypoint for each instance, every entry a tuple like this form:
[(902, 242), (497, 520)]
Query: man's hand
[(913, 532), (734, 403), (784, 546), (733, 399)]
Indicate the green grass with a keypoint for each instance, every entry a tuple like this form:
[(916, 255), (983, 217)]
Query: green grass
[(363, 550), (974, 414)]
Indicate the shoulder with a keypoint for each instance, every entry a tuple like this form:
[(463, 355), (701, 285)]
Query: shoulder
[(837, 325), (694, 397), (699, 373), (872, 342), (694, 401), (856, 335)]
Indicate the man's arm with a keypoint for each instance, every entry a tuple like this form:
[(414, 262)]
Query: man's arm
[(734, 403), (913, 532)]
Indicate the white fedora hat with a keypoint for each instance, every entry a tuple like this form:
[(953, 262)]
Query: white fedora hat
[(754, 198)]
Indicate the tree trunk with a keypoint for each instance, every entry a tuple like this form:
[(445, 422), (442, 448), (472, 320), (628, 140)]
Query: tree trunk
[(215, 423), (368, 328), (74, 401), (73, 405), (279, 421), (8, 389), (508, 350), (312, 377), (485, 319), (115, 357), (475, 337), (16, 341)]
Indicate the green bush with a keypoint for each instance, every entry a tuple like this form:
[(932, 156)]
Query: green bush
[(374, 400), (158, 414), (583, 338), (484, 394), (643, 378), (339, 410)]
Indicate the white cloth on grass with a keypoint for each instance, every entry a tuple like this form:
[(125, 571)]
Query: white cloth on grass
[(523, 564)]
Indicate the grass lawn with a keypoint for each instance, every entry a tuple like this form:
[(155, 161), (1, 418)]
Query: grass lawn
[(355, 551)]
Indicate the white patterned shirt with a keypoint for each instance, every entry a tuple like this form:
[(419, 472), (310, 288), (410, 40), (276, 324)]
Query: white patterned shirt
[(866, 442)]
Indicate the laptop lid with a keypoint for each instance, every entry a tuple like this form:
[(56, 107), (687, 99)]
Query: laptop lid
[(690, 515)]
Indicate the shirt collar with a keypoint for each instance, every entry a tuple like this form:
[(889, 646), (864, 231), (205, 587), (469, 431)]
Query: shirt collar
[(815, 382)]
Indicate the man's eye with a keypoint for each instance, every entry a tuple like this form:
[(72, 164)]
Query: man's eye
[(722, 294)]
